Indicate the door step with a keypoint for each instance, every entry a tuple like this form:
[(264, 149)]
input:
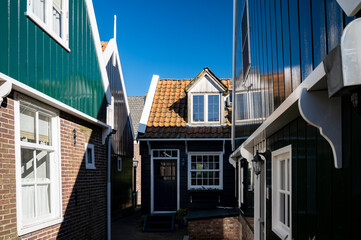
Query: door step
[(159, 223)]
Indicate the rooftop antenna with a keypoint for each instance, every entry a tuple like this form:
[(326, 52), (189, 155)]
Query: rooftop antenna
[(115, 38)]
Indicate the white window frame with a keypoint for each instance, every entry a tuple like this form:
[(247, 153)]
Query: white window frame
[(251, 107), (47, 26), (208, 187), (205, 112), (279, 155), (55, 217), (119, 164), (92, 164)]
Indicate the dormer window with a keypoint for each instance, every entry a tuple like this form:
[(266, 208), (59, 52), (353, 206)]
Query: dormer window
[(205, 108)]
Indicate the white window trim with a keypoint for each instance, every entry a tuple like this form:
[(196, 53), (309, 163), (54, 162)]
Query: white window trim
[(220, 186), (205, 112), (56, 194), (278, 227), (47, 27), (119, 164), (92, 164), (251, 104)]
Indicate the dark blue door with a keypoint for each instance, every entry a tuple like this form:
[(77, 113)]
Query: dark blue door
[(165, 185)]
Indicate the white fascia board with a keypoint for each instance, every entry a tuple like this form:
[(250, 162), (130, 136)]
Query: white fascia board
[(148, 104), (184, 139), (98, 49), (112, 50), (285, 112), (31, 92)]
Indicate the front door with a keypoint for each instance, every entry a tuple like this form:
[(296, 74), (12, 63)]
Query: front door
[(165, 185)]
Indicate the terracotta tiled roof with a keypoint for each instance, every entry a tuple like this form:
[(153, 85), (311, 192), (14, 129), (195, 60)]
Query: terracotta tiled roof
[(168, 114), (104, 45)]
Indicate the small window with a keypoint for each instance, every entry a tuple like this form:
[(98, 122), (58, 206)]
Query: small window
[(89, 156), (205, 171), (206, 108), (281, 192), (249, 106), (51, 16), (119, 164)]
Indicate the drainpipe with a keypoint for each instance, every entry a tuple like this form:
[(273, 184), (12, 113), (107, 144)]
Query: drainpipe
[(108, 189)]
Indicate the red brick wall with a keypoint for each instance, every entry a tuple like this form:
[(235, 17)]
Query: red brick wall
[(139, 172), (83, 190), (214, 228), (7, 172), (245, 231)]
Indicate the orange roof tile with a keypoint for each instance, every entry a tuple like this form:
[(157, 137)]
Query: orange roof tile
[(104, 45), (168, 114)]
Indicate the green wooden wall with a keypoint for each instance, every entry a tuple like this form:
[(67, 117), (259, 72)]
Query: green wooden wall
[(30, 56)]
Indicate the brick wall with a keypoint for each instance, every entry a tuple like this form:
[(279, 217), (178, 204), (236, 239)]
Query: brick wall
[(139, 172), (84, 195), (214, 228), (245, 231), (7, 172)]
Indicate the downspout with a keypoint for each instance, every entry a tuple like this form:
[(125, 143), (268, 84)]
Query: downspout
[(108, 189)]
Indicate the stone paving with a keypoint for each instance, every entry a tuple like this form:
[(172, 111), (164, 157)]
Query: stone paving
[(130, 228)]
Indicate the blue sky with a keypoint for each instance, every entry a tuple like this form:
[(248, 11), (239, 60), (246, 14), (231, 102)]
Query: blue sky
[(170, 38)]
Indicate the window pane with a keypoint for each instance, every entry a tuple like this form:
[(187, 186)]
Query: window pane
[(257, 104), (39, 9), (28, 202), (282, 208), (89, 156), (288, 175), (213, 108), (42, 165), (27, 124), (27, 164), (288, 211), (198, 108), (43, 200), (57, 16), (44, 130), (242, 107), (155, 153), (282, 175)]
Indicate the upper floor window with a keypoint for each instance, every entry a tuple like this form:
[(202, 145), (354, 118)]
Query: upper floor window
[(249, 106), (53, 17), (37, 166), (246, 54), (205, 108)]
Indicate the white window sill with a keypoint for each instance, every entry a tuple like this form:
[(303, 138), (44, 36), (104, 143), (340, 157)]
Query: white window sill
[(282, 232), (203, 188), (37, 226), (245, 121), (45, 28), (90, 167)]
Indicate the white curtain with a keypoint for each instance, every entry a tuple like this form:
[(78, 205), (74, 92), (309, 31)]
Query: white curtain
[(43, 199), (28, 200), (39, 9)]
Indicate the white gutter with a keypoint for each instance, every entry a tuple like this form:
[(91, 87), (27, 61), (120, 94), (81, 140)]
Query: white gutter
[(279, 118), (148, 104), (234, 72), (184, 139)]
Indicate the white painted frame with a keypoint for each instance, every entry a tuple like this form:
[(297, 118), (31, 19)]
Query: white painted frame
[(92, 164), (205, 110), (220, 186), (47, 26), (277, 226), (55, 174), (152, 178)]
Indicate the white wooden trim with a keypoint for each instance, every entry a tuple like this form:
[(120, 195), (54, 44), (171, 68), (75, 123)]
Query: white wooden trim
[(56, 197), (205, 109), (184, 139), (47, 27), (148, 104), (112, 50), (220, 154), (98, 48), (37, 95), (92, 164), (211, 76), (277, 227), (152, 178)]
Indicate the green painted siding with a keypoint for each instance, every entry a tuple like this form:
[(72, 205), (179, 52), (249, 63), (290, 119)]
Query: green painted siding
[(30, 56)]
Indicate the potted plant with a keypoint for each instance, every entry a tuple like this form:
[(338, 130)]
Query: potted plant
[(180, 216)]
